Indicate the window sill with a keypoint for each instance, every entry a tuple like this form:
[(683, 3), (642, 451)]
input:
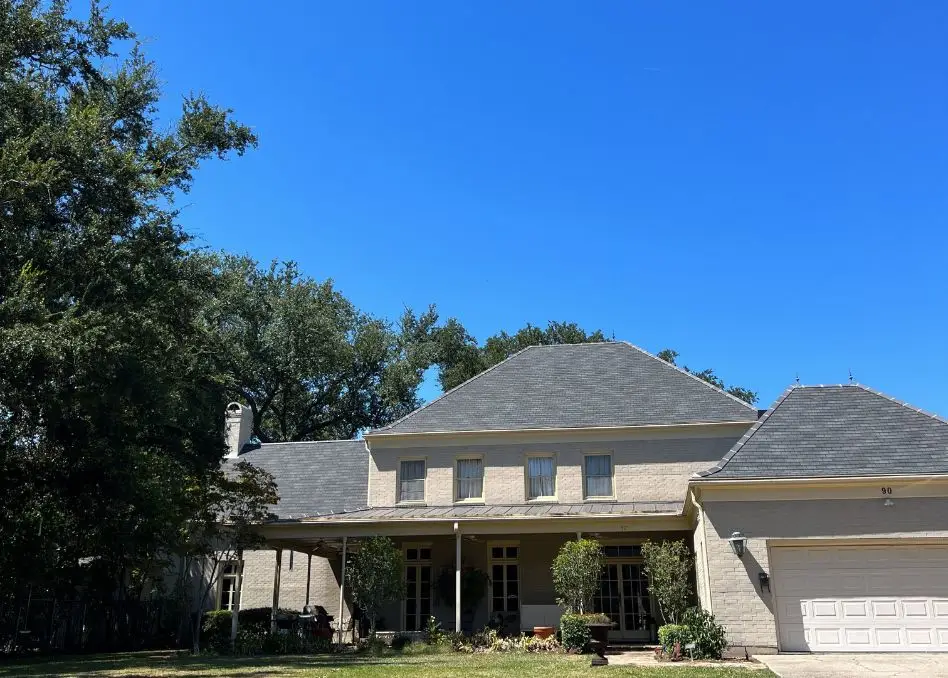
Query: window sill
[(467, 502), (600, 500), (542, 500), (413, 503)]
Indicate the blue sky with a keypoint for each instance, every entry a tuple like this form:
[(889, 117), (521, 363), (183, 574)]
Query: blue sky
[(760, 186)]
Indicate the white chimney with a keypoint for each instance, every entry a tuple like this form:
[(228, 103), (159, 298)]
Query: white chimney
[(238, 427)]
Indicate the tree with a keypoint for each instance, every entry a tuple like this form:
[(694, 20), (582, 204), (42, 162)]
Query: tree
[(708, 375), (460, 358), (576, 571), (225, 508), (669, 566), (110, 399), (375, 576), (308, 363)]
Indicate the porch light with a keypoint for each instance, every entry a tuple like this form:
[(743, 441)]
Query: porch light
[(738, 543)]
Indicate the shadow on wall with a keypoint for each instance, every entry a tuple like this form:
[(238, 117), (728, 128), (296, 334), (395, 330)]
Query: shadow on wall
[(754, 569)]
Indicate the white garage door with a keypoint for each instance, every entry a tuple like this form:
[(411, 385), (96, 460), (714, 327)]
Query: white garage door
[(862, 598)]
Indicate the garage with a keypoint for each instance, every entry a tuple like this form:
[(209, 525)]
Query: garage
[(890, 597)]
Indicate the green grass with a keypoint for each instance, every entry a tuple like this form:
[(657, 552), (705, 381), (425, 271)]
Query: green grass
[(350, 666)]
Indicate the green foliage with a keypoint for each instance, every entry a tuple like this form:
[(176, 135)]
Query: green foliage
[(375, 575), (460, 358), (672, 636), (709, 637), (708, 375), (433, 631), (474, 584), (576, 570), (308, 363), (669, 566), (110, 389), (574, 632)]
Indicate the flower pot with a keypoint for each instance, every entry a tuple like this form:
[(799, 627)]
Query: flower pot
[(543, 631), (599, 632)]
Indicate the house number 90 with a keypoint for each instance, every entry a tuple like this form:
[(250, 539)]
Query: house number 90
[(886, 490)]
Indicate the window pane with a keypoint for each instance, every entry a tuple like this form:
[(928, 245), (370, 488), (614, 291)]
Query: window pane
[(413, 470), (497, 552), (470, 468), (425, 554), (599, 465), (411, 554), (412, 490), (540, 470), (599, 487), (511, 551), (497, 573)]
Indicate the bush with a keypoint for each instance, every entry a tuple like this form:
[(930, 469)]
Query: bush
[(673, 638), (576, 571), (484, 639), (433, 631), (574, 632), (669, 566), (709, 637)]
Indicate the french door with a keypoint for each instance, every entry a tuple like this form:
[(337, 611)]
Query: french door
[(624, 597), (417, 588)]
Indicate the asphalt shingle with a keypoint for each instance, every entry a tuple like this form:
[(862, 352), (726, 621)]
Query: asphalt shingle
[(836, 431), (315, 478), (576, 386)]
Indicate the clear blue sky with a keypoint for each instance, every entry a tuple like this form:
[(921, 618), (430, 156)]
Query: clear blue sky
[(762, 188)]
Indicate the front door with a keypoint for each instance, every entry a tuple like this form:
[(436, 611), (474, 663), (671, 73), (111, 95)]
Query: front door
[(417, 587), (624, 598)]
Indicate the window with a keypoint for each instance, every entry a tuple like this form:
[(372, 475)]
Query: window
[(598, 475), (412, 481), (505, 579), (228, 590), (470, 475), (541, 481), (417, 586)]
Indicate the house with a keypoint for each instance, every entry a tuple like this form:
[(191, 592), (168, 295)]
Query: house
[(822, 525)]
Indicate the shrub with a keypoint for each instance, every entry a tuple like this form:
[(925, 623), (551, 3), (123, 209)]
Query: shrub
[(535, 644), (671, 636), (669, 565), (484, 639), (376, 576), (576, 571), (433, 631), (709, 637), (574, 632)]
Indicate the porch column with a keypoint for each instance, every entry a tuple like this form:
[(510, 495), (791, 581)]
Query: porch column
[(457, 578), (309, 574), (277, 570), (579, 535), (238, 592), (342, 590)]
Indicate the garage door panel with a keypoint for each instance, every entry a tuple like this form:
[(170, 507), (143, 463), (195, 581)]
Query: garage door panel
[(892, 598)]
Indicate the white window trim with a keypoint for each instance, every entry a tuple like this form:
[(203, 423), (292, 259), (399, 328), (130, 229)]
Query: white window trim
[(220, 581), (545, 499), (612, 479), (398, 483), (470, 457)]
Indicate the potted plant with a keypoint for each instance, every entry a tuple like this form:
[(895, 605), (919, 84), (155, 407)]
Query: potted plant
[(576, 570)]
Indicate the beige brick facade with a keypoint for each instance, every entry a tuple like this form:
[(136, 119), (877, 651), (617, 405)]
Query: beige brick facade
[(644, 469), (732, 586)]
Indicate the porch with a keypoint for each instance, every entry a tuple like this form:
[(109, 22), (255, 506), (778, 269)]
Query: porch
[(502, 561)]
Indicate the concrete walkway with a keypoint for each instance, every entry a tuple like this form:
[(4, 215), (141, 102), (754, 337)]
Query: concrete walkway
[(647, 658), (888, 665)]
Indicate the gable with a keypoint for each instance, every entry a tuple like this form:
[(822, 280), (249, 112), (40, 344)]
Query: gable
[(837, 431), (576, 386)]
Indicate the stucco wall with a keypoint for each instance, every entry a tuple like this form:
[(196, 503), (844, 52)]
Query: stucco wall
[(644, 469), (736, 601)]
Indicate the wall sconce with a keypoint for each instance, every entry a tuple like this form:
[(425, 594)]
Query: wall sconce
[(888, 502), (764, 580), (738, 543)]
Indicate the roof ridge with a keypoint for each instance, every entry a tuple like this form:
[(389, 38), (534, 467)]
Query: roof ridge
[(747, 436), (904, 404), (388, 427), (314, 442), (687, 373)]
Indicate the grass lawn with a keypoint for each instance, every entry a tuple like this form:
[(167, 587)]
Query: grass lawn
[(345, 666)]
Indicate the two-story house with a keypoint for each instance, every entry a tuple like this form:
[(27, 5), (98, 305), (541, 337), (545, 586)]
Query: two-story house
[(831, 503)]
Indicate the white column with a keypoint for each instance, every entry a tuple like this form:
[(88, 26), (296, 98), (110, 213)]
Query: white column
[(579, 535), (238, 593), (457, 578), (342, 589), (277, 571), (309, 574)]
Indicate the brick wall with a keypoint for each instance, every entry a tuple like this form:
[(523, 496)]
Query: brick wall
[(258, 581), (644, 469), (736, 601)]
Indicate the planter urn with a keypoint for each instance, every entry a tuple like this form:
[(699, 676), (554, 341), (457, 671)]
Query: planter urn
[(599, 632)]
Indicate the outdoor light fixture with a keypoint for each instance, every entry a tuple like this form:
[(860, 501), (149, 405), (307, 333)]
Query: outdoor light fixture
[(738, 543), (888, 502), (764, 580)]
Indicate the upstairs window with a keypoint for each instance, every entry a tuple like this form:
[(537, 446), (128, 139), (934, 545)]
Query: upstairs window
[(411, 485), (541, 478), (470, 475), (598, 475)]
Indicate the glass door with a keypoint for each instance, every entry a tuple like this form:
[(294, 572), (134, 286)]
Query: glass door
[(417, 587), (623, 596)]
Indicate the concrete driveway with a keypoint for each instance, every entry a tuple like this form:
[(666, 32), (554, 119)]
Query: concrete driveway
[(894, 664)]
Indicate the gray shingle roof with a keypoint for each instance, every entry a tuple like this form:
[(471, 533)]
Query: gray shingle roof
[(511, 510), (315, 478), (835, 431), (576, 386)]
